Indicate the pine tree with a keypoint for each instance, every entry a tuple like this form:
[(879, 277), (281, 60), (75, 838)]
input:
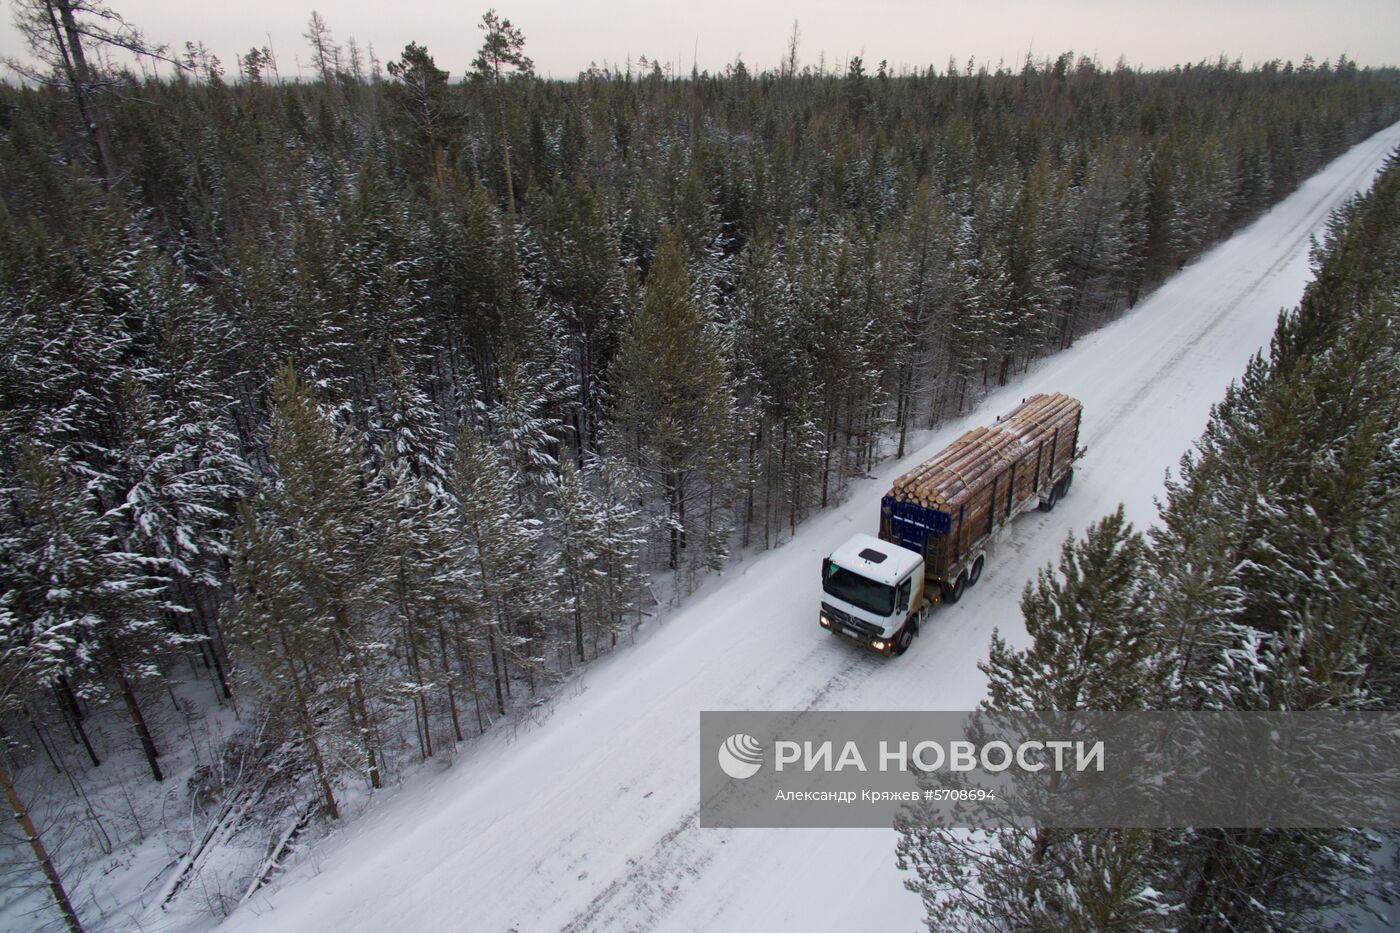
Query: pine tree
[(321, 526), (270, 636), (1267, 558), (926, 292), (1093, 645), (422, 103), (1092, 641), (509, 580), (599, 537), (574, 516), (673, 390), (428, 567), (617, 489), (431, 585), (502, 55)]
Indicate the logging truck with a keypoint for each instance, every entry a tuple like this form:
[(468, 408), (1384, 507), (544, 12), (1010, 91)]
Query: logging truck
[(939, 520)]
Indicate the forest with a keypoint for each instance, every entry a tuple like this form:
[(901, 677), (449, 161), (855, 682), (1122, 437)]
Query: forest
[(346, 417), (1269, 583)]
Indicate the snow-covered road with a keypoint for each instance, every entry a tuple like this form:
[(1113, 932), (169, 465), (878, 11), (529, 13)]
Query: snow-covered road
[(587, 821)]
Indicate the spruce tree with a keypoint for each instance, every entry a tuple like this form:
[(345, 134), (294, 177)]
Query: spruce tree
[(408, 428), (74, 576), (582, 275)]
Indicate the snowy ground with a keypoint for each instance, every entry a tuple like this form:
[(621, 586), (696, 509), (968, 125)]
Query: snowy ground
[(586, 820)]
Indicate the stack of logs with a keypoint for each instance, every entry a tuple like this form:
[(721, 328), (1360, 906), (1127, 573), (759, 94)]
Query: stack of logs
[(982, 456)]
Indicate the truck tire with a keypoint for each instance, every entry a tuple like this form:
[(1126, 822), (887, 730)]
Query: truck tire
[(976, 573), (954, 593), (1048, 503), (1067, 482), (904, 637)]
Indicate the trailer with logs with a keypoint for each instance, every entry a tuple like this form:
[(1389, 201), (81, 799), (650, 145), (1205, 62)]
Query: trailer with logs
[(939, 519)]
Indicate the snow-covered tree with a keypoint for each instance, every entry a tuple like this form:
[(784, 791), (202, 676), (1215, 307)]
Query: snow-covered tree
[(183, 471), (408, 429), (80, 591), (599, 534), (1093, 640), (673, 390), (434, 600), (510, 580), (582, 274), (524, 421), (313, 567), (24, 664), (1093, 646)]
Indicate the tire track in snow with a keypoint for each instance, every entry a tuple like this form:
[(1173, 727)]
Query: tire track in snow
[(637, 901)]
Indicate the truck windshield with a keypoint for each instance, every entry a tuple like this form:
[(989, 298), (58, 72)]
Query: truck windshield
[(857, 590)]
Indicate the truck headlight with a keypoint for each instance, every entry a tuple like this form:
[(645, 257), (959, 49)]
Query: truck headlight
[(878, 645), (825, 621)]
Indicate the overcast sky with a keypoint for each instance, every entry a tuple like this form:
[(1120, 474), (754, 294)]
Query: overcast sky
[(565, 36)]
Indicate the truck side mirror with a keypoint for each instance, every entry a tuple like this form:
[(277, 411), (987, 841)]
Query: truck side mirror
[(904, 591), (826, 566)]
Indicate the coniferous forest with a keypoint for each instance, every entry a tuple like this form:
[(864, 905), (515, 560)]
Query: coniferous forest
[(344, 417), (1269, 584)]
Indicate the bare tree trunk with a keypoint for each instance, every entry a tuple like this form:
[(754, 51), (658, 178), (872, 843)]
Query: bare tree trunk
[(43, 741), (578, 626), (420, 700), (41, 854), (451, 690), (357, 686), (673, 493), (74, 715), (211, 645), (148, 745), (464, 659), (496, 668), (505, 147), (332, 809), (80, 79)]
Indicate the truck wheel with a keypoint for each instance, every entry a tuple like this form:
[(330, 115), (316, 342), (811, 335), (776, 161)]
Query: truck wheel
[(1067, 482), (1048, 503), (954, 593), (903, 639), (976, 572)]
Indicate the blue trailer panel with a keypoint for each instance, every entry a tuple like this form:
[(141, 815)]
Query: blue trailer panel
[(911, 525)]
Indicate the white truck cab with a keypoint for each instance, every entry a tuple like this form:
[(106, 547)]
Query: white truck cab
[(873, 593)]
